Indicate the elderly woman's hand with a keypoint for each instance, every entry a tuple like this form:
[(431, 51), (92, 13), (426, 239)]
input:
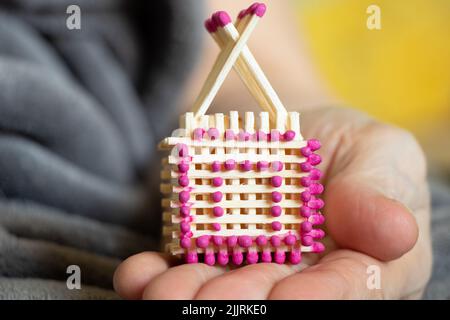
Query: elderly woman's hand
[(377, 210)]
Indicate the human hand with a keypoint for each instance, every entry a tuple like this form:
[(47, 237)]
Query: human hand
[(377, 210)]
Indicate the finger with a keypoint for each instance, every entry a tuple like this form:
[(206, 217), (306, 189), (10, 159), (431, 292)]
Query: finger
[(133, 274), (342, 274), (368, 165), (249, 282), (370, 222), (180, 282)]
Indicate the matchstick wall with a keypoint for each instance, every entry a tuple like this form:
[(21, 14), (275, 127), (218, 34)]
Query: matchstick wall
[(239, 188)]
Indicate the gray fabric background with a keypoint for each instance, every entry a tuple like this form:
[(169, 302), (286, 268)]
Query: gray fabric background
[(80, 114)]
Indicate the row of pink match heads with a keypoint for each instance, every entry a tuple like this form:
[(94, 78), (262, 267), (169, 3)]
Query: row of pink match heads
[(274, 135), (294, 256), (308, 234), (222, 18)]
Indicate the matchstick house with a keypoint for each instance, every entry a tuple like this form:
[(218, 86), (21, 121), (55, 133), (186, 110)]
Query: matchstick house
[(240, 188)]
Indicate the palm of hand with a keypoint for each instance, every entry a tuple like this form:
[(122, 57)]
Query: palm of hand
[(377, 209)]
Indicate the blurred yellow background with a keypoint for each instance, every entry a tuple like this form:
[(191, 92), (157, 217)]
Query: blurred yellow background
[(400, 74)]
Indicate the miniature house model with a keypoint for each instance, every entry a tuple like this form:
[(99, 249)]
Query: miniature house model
[(240, 188)]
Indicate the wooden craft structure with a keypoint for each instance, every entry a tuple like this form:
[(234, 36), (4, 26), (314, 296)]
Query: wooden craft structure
[(240, 188)]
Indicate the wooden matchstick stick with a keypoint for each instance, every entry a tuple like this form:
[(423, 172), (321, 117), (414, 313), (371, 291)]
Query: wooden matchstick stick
[(224, 63)]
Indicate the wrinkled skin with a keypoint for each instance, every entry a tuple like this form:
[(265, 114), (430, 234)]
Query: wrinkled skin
[(377, 210)]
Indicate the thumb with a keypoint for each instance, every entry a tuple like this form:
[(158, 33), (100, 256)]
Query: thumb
[(363, 219)]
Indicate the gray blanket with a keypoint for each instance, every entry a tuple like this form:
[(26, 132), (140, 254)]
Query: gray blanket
[(80, 114)]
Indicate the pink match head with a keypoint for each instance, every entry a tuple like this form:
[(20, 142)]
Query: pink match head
[(217, 181), (305, 166), (305, 211), (202, 241), (216, 196), (215, 166), (184, 211), (210, 26), (276, 196), (315, 174), (217, 240), (246, 165), (314, 144), (306, 226), (307, 240), (275, 211), (252, 257), (222, 258), (289, 135), (276, 225), (276, 181), (316, 188), (317, 233), (295, 257), (229, 135), (230, 164), (183, 167), (232, 241), (318, 247), (213, 133), (314, 159), (184, 196), (261, 240), (279, 256), (305, 181), (275, 135), (187, 234), (191, 257), (266, 256), (218, 211), (198, 134), (258, 9), (290, 239), (305, 151), (277, 166), (221, 18), (185, 243), (183, 180), (262, 165), (237, 258), (210, 259), (275, 241), (245, 241), (216, 226), (305, 196), (316, 204), (317, 219)]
